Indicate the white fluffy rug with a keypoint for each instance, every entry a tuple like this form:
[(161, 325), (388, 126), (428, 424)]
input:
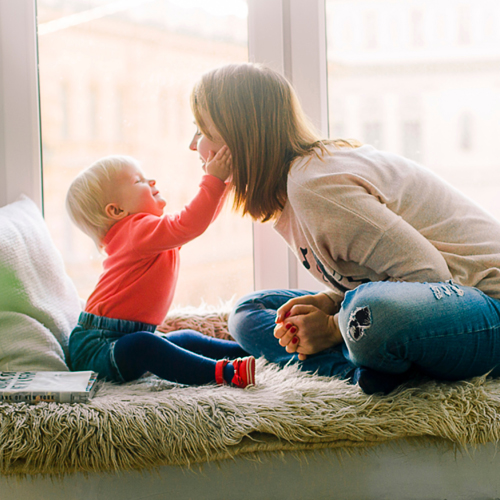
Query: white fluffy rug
[(153, 422)]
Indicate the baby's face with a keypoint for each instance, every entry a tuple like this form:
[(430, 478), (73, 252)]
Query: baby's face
[(135, 194), (203, 144)]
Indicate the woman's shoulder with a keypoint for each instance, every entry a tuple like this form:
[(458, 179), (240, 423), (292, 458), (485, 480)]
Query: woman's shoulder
[(340, 159), (327, 160), (329, 172)]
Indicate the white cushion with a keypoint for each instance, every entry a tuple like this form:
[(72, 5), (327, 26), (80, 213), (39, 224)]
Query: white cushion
[(39, 304)]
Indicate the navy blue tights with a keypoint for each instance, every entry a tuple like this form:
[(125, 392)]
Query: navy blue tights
[(185, 356)]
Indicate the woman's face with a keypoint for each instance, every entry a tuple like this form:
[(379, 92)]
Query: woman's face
[(203, 144)]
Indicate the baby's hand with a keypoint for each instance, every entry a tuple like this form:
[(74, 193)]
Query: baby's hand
[(219, 164)]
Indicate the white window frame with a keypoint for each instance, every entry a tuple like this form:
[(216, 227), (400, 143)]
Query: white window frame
[(288, 35), (20, 146)]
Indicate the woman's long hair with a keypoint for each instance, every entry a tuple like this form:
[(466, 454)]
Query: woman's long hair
[(259, 117)]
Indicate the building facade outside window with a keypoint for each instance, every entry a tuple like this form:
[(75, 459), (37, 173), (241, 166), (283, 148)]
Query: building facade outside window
[(426, 88), (435, 72), (127, 74)]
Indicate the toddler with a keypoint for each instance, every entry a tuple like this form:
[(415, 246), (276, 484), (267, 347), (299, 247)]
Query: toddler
[(122, 211)]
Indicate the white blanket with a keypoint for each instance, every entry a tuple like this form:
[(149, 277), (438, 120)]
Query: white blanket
[(39, 304)]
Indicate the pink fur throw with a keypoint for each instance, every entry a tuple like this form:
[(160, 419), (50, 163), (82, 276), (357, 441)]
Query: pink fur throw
[(205, 319)]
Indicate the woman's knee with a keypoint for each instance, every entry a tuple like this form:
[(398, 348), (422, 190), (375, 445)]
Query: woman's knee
[(369, 319), (357, 311), (255, 310), (248, 314), (253, 320), (391, 321)]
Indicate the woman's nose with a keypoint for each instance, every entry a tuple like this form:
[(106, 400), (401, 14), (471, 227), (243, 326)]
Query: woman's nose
[(194, 143)]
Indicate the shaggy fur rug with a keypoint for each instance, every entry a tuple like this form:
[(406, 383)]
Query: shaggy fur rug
[(152, 422)]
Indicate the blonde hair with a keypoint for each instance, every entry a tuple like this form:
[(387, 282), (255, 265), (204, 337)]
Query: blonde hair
[(258, 115), (91, 191)]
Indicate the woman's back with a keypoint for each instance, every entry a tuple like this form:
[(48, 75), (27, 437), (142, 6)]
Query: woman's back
[(369, 215)]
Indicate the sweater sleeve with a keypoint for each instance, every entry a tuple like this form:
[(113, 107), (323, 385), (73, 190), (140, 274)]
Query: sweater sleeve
[(155, 234), (350, 223)]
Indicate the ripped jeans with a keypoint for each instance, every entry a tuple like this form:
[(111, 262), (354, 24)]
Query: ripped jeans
[(444, 330)]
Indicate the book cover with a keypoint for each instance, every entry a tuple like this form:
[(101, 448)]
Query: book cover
[(58, 387)]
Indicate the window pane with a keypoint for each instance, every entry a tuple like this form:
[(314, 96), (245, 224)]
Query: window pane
[(421, 79), (115, 78)]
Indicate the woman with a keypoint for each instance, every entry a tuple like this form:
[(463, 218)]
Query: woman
[(411, 266)]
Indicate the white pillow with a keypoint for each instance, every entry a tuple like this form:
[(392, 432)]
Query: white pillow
[(39, 304)]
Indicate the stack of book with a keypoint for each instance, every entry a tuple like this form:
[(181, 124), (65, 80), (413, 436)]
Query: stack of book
[(57, 387)]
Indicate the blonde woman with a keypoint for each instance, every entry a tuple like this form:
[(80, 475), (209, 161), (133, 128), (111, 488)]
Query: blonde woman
[(411, 267)]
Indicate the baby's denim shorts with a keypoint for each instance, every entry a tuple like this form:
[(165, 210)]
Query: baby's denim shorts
[(92, 342)]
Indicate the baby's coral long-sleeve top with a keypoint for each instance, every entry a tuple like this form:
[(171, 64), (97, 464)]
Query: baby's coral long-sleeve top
[(142, 264)]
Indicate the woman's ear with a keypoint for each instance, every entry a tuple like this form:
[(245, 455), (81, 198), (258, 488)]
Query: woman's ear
[(113, 211)]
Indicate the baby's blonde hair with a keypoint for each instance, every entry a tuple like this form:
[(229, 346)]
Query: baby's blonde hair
[(258, 115), (91, 191)]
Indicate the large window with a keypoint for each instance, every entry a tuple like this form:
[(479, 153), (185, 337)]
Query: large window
[(422, 79), (115, 78)]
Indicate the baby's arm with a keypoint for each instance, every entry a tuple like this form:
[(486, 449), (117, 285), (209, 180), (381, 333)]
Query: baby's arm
[(219, 164), (156, 234), (171, 231)]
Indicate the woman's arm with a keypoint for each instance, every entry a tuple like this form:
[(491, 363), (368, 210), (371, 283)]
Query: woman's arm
[(352, 225)]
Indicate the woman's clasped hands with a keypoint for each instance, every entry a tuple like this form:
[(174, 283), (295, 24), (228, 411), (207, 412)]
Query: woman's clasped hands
[(308, 324)]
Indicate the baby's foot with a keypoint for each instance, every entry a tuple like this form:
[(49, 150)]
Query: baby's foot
[(244, 372)]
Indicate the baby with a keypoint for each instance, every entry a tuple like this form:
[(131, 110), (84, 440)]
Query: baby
[(122, 211)]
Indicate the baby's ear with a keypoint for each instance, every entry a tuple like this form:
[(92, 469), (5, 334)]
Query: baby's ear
[(113, 211)]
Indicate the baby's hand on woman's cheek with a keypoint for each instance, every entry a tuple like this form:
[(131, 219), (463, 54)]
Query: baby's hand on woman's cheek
[(219, 164)]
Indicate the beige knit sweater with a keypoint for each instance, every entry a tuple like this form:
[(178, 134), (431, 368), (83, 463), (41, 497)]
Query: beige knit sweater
[(360, 215)]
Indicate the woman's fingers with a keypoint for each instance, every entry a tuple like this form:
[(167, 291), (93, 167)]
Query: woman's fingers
[(293, 309), (307, 330), (293, 342), (284, 332), (293, 345), (285, 310), (287, 333), (302, 309), (282, 313), (279, 330)]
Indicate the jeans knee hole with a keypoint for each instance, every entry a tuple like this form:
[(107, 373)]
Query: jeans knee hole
[(359, 322)]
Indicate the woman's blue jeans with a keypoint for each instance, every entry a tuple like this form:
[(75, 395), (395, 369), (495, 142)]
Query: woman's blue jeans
[(445, 331), (252, 323)]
